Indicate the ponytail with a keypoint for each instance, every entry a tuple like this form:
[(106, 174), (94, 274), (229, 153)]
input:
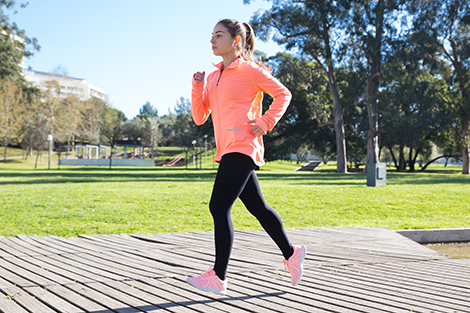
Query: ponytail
[(247, 35), (249, 43)]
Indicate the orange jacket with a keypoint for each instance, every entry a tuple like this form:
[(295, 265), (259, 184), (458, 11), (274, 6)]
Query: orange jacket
[(234, 97)]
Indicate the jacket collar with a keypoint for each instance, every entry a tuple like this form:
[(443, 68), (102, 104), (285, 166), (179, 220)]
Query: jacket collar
[(234, 64)]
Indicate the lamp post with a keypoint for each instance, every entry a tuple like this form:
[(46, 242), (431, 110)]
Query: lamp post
[(49, 139), (194, 152)]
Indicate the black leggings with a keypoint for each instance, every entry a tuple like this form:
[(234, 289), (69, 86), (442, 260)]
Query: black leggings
[(236, 177)]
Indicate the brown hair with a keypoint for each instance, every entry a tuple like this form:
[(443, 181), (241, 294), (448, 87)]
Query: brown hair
[(247, 35)]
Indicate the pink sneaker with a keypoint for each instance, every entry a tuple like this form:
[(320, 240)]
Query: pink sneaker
[(294, 264), (209, 281)]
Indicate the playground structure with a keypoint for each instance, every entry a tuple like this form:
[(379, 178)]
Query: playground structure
[(102, 155)]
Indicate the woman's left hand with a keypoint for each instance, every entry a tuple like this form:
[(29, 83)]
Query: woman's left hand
[(257, 131)]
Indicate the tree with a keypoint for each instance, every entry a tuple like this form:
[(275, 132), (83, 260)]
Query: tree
[(313, 27), (112, 125), (148, 109), (71, 119), (35, 130), (93, 111), (13, 44), (11, 111), (412, 114), (373, 32), (185, 129), (303, 124), (49, 103), (442, 30)]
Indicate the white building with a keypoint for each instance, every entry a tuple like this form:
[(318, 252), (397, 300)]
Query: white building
[(68, 85)]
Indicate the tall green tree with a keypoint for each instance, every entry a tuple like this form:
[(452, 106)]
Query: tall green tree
[(148, 109), (442, 30), (14, 44), (306, 124), (314, 28), (373, 33)]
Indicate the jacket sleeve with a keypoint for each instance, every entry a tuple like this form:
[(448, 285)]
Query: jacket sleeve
[(200, 109), (265, 82)]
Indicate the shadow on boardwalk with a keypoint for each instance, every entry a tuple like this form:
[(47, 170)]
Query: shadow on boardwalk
[(346, 270)]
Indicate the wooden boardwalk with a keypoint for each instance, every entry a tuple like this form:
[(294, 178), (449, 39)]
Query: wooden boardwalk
[(346, 270)]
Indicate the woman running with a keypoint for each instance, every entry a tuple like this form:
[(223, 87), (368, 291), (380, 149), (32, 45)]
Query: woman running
[(233, 95)]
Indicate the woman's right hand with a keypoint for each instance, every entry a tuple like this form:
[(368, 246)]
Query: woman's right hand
[(199, 77)]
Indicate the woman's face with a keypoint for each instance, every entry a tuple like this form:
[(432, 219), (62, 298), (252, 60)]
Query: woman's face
[(222, 42)]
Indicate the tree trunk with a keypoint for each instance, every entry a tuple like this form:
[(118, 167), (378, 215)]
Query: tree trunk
[(5, 144), (401, 158), (37, 157), (393, 157), (410, 161), (372, 86), (418, 151), (341, 160), (341, 165), (465, 148)]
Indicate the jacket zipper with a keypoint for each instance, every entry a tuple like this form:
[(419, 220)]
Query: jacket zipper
[(218, 108)]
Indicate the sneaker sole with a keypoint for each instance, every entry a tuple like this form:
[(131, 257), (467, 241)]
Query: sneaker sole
[(214, 290), (302, 257)]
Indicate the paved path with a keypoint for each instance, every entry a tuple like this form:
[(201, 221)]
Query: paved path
[(346, 270)]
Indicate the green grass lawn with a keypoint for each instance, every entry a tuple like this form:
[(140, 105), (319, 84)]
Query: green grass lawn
[(92, 200)]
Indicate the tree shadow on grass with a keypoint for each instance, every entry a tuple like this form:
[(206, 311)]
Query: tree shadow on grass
[(154, 174)]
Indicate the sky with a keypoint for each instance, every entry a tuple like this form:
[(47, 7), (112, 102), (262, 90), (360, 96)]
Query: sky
[(137, 51)]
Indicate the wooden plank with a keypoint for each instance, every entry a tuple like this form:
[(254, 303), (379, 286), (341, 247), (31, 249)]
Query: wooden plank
[(172, 295), (108, 264), (95, 271), (73, 244), (47, 243), (53, 301), (395, 291), (26, 300), (77, 271), (91, 300), (221, 305), (126, 242), (317, 297), (367, 275), (346, 270), (40, 274), (267, 301), (286, 297), (32, 245), (107, 244), (9, 278), (155, 239), (8, 251), (4, 283), (21, 277), (172, 241), (144, 296), (144, 264), (63, 270), (7, 305), (130, 298)]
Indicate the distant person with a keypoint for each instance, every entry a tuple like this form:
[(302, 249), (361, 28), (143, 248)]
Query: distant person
[(233, 95)]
